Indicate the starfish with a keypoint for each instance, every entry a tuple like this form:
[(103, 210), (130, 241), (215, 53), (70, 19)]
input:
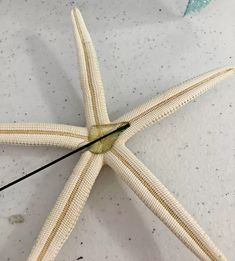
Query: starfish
[(113, 152)]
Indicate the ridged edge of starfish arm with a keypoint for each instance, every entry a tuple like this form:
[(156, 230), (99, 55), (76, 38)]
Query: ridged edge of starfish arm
[(171, 100), (47, 134), (159, 200), (91, 83), (67, 210)]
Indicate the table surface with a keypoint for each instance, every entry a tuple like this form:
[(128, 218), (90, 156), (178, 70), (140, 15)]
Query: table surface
[(144, 48)]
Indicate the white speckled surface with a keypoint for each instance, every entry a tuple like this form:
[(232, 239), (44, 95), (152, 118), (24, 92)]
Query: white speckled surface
[(144, 47)]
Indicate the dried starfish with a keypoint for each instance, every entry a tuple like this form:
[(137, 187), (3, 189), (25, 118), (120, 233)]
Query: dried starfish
[(113, 152)]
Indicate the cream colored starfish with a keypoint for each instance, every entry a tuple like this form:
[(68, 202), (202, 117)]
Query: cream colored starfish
[(113, 152)]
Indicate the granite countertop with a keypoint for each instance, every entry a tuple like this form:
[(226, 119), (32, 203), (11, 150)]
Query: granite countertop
[(144, 48)]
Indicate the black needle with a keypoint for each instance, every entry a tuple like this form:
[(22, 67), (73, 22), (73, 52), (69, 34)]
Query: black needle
[(119, 129)]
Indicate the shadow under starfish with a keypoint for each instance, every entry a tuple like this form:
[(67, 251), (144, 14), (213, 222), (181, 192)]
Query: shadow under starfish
[(113, 152)]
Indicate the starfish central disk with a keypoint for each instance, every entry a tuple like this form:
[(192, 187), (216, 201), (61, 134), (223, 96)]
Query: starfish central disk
[(105, 144)]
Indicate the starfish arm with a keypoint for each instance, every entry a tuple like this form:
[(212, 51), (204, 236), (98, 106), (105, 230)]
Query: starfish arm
[(92, 87), (69, 205), (154, 194), (168, 102), (42, 134)]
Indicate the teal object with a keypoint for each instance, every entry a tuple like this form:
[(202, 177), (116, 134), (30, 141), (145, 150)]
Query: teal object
[(196, 5)]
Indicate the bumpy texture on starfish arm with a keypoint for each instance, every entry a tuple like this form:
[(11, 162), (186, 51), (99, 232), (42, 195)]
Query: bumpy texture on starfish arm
[(91, 83), (47, 134), (155, 195), (65, 214), (69, 205), (165, 104)]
